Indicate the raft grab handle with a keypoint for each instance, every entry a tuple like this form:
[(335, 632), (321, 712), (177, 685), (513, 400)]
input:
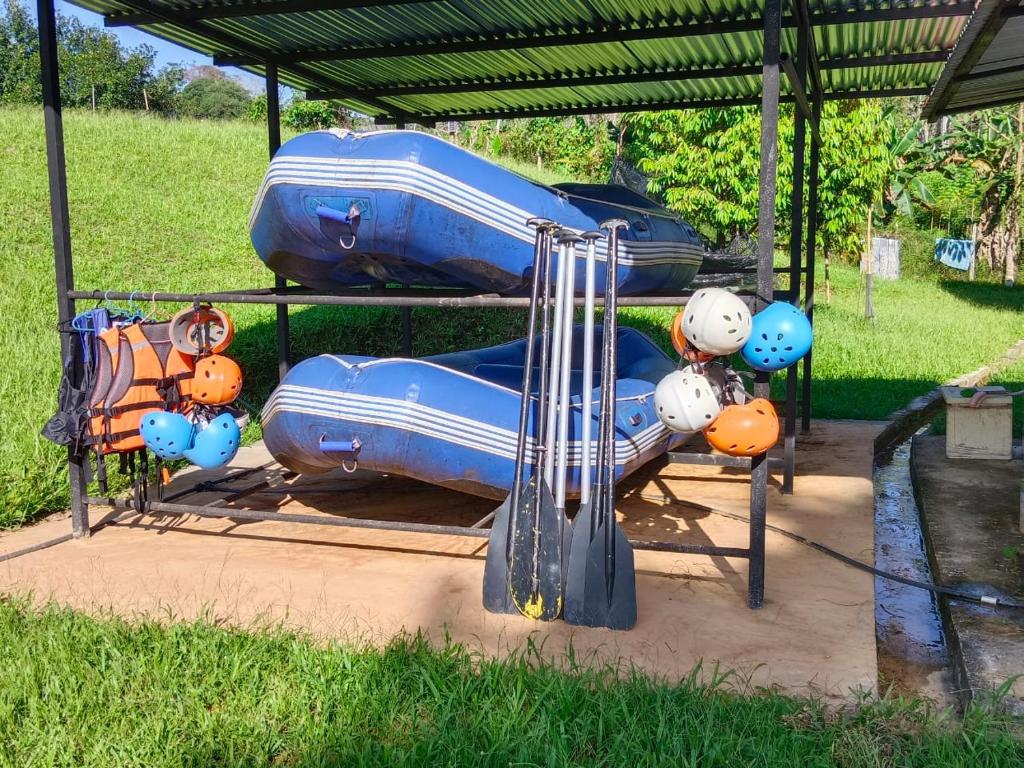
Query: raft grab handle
[(347, 449)]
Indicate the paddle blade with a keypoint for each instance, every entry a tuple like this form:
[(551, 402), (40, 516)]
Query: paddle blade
[(607, 595), (497, 598), (576, 571), (535, 568)]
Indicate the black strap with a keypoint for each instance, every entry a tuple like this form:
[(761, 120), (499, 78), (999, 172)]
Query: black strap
[(140, 482), (159, 471), (118, 410), (109, 438)]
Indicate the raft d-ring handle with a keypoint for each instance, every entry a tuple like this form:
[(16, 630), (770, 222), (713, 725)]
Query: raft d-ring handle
[(349, 450), (351, 219)]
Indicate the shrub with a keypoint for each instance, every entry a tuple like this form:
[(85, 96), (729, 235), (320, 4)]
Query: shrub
[(303, 115)]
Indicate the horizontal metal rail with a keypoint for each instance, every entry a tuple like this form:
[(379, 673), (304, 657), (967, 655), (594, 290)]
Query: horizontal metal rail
[(718, 460), (380, 525), (367, 298)]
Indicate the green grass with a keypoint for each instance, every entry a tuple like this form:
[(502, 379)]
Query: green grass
[(83, 692), (164, 205)]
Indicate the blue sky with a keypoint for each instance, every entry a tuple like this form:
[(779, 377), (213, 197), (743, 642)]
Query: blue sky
[(166, 52)]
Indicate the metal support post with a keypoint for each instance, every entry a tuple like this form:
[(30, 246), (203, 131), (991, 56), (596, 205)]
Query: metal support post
[(812, 243), (765, 276), (284, 345), (796, 231), (406, 314), (63, 266)]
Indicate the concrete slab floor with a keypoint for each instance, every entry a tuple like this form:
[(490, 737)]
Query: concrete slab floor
[(815, 633), (970, 512)]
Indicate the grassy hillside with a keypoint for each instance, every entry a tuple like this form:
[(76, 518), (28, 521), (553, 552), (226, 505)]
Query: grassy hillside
[(163, 205)]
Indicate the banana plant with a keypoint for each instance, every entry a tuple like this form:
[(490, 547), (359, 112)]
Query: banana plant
[(909, 159)]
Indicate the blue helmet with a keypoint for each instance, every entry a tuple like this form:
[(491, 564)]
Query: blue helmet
[(168, 435), (780, 335), (217, 444)]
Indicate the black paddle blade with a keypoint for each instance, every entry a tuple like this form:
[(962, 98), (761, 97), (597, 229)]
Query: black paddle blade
[(496, 595), (576, 571), (535, 567), (606, 596)]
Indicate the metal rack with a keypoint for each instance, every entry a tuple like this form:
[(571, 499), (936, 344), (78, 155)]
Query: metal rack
[(808, 113)]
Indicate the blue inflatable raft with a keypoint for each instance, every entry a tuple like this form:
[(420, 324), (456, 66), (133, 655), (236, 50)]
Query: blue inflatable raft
[(452, 419), (339, 209)]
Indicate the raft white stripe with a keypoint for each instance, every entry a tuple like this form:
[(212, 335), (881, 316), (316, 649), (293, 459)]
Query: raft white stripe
[(482, 436), (396, 410), (649, 437), (392, 403), (625, 451), (449, 192), (633, 250), (648, 254)]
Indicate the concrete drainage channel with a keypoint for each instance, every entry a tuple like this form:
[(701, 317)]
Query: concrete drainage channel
[(913, 655)]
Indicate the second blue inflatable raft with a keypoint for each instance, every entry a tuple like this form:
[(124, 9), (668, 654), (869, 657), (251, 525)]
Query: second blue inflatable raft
[(452, 419)]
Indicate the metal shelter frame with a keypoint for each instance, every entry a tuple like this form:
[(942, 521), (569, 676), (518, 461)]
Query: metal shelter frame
[(803, 71)]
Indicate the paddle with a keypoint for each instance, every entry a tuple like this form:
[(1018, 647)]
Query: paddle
[(584, 523), (605, 596), (568, 241), (535, 563), (497, 597)]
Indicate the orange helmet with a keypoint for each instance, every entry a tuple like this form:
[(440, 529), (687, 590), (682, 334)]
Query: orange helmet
[(685, 349), (218, 380), (745, 430)]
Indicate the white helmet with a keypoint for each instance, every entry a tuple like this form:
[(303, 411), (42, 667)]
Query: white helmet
[(716, 321), (686, 401)]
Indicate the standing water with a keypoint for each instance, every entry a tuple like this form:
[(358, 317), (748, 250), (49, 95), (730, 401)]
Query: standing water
[(912, 654)]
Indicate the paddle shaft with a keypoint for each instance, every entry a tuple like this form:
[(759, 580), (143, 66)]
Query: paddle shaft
[(540, 415), (539, 257), (611, 346), (565, 371), (551, 422), (587, 405)]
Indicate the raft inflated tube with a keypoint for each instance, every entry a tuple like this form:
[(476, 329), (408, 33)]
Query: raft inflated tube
[(453, 420), (433, 214)]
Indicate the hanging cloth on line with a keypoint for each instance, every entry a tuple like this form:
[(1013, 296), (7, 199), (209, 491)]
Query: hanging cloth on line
[(958, 254)]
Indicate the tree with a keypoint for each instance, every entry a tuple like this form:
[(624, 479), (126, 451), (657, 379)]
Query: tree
[(579, 147), (162, 91), (992, 144), (705, 164), (213, 98), (19, 56), (96, 71)]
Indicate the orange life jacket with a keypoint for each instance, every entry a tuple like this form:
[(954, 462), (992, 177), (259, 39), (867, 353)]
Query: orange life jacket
[(138, 370)]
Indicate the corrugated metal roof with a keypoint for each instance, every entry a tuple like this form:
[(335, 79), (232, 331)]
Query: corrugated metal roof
[(434, 59), (986, 68)]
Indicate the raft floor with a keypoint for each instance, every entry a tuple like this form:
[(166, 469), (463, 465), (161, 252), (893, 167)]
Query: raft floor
[(815, 633)]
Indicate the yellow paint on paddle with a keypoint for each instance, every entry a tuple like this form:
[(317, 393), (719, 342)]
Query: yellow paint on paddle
[(534, 608)]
